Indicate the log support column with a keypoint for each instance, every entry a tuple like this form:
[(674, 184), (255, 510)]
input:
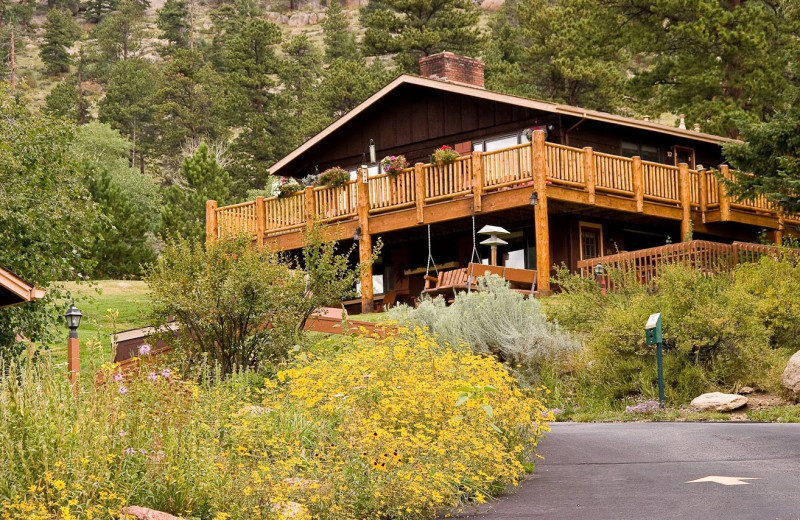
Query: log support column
[(589, 173), (365, 244), (261, 221), (638, 182), (686, 202), (724, 200), (540, 214), (211, 221)]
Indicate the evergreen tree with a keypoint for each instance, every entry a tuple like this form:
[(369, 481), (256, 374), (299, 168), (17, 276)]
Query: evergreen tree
[(416, 28), (60, 33), (228, 20), (119, 36), (345, 84), (185, 202), (96, 10), (340, 42), (173, 21), (66, 100)]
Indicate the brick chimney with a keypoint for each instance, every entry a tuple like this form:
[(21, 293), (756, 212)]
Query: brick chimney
[(447, 66)]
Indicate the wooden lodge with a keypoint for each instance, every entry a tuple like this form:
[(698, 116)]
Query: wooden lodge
[(569, 184)]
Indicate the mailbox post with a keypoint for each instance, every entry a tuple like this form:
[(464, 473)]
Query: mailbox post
[(652, 336)]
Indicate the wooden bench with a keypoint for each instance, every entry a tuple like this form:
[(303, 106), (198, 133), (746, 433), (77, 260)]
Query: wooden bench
[(447, 283)]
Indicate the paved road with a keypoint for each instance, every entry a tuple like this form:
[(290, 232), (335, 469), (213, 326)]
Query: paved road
[(641, 471)]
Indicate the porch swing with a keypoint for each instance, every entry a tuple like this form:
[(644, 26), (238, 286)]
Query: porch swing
[(448, 283)]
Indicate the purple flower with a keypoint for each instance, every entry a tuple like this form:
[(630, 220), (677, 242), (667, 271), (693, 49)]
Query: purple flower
[(160, 454), (118, 377), (122, 390), (643, 407), (123, 433), (152, 376), (130, 451), (144, 349), (143, 451), (166, 373)]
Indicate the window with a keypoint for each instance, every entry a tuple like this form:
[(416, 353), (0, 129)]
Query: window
[(645, 151), (497, 143), (591, 240)]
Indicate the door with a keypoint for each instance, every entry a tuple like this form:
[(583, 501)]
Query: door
[(684, 155), (591, 236)]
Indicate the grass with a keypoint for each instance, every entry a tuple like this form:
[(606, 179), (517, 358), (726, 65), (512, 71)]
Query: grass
[(776, 414), (107, 306)]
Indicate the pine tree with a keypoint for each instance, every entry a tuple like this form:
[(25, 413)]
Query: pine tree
[(184, 203), (340, 42), (120, 34), (413, 29), (173, 21), (60, 33), (66, 100), (96, 10)]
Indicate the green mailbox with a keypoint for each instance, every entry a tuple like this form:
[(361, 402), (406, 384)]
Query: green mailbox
[(652, 330)]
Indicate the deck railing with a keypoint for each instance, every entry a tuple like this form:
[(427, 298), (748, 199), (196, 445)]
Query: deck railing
[(707, 257), (484, 172)]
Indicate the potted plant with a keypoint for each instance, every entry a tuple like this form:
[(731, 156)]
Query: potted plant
[(394, 164), (334, 177), (287, 186), (444, 155)]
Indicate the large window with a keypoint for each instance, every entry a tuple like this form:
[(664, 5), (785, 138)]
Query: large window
[(591, 236), (645, 151), (497, 143)]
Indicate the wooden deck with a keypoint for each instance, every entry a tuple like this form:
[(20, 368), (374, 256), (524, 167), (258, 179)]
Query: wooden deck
[(493, 181)]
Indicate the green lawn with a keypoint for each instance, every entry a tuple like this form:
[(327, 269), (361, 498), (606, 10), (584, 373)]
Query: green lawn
[(97, 301)]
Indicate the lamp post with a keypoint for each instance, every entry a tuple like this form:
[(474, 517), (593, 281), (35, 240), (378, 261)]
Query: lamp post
[(73, 319), (599, 271)]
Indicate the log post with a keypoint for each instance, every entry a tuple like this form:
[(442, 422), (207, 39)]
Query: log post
[(73, 359), (638, 182), (540, 214), (724, 200), (777, 235), (477, 181), (309, 193), (261, 221), (686, 202), (589, 172), (703, 187), (419, 190), (211, 221), (365, 244)]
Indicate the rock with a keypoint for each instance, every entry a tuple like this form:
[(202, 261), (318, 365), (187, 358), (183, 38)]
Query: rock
[(718, 402), (298, 20), (746, 390), (791, 375), (251, 409), (492, 5), (143, 513), (290, 511)]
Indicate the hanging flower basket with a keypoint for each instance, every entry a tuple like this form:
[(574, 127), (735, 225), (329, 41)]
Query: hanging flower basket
[(287, 186), (444, 155), (334, 177), (394, 164)]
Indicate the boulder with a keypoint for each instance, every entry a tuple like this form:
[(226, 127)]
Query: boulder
[(746, 390), (143, 513), (718, 402), (290, 511), (791, 375), (492, 5)]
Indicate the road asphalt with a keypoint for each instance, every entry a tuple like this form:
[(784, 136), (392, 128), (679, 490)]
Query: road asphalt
[(639, 471)]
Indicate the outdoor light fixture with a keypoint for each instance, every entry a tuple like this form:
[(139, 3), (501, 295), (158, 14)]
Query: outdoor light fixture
[(599, 269), (372, 158), (73, 318), (534, 200), (494, 240), (357, 234)]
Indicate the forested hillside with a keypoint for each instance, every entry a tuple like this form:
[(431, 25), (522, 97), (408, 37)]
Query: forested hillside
[(150, 107)]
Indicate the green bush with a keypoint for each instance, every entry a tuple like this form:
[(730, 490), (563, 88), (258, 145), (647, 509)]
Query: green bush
[(720, 332), (494, 320)]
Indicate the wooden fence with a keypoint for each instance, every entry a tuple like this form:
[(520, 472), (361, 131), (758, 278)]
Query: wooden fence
[(707, 257)]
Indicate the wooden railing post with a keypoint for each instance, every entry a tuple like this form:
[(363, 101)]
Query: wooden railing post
[(702, 183), (365, 244), (309, 192), (477, 181), (540, 214), (638, 182), (211, 221), (724, 200), (419, 190), (686, 202), (588, 172), (261, 221)]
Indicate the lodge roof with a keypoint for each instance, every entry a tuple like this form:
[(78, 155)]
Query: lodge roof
[(466, 90), (14, 289)]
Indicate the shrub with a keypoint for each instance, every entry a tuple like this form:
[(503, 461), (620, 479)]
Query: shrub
[(334, 177), (494, 320), (244, 305), (394, 164), (720, 332), (444, 155), (398, 427), (287, 186)]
